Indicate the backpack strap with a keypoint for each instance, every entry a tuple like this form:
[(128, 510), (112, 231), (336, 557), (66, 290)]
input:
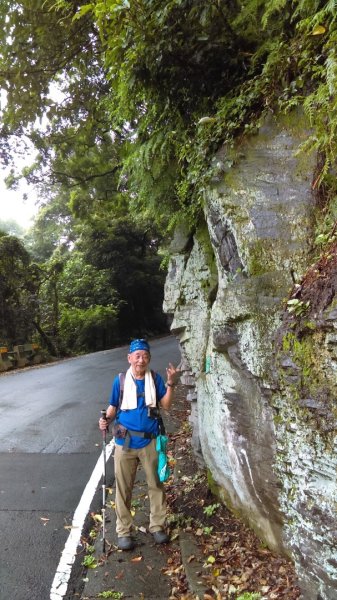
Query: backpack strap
[(121, 389)]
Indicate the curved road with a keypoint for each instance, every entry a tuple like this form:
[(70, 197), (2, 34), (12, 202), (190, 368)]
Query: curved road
[(49, 446)]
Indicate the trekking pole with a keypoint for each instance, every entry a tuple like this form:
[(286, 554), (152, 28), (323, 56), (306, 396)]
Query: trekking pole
[(103, 413)]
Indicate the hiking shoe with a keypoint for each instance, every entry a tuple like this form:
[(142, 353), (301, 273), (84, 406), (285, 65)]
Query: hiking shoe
[(125, 543), (160, 537)]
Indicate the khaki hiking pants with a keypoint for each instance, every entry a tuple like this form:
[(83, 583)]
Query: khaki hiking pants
[(126, 463)]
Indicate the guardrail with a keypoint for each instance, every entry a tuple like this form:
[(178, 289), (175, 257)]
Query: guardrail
[(21, 356)]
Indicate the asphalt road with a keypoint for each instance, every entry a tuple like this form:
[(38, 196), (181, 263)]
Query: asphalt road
[(49, 445)]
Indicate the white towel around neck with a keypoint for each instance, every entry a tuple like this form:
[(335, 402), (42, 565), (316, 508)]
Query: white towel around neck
[(130, 391)]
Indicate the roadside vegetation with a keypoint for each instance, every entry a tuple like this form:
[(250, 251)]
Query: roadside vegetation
[(105, 289)]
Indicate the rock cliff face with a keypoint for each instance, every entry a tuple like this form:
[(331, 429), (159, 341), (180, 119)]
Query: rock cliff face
[(262, 381)]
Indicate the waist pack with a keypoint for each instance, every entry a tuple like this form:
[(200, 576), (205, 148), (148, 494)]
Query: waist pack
[(119, 431)]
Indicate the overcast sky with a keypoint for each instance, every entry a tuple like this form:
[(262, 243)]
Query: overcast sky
[(12, 205)]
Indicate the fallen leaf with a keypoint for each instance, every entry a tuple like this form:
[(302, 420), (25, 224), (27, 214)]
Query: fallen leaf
[(119, 575), (179, 569), (98, 518), (190, 558), (137, 559), (211, 560)]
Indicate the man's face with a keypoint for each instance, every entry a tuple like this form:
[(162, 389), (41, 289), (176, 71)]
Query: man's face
[(139, 361)]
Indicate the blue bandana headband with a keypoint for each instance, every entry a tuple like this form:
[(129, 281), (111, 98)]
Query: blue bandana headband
[(139, 345)]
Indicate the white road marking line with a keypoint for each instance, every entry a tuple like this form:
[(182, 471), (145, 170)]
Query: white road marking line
[(63, 571)]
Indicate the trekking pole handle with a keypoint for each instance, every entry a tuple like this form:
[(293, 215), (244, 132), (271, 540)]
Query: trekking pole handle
[(103, 415)]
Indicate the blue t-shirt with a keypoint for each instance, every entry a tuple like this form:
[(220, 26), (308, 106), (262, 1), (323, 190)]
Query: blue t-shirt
[(137, 418)]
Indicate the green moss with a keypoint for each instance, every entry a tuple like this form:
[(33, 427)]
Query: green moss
[(259, 260), (202, 236), (213, 486), (303, 354), (287, 341), (220, 493), (311, 381), (211, 282), (302, 351), (231, 181), (278, 419)]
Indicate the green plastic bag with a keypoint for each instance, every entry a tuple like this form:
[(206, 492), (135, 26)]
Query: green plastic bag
[(163, 468)]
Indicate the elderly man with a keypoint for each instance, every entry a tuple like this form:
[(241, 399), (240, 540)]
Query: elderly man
[(134, 403)]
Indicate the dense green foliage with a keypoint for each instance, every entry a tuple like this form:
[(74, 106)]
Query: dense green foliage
[(18, 285), (192, 75), (172, 80), (128, 253), (127, 103), (105, 289)]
